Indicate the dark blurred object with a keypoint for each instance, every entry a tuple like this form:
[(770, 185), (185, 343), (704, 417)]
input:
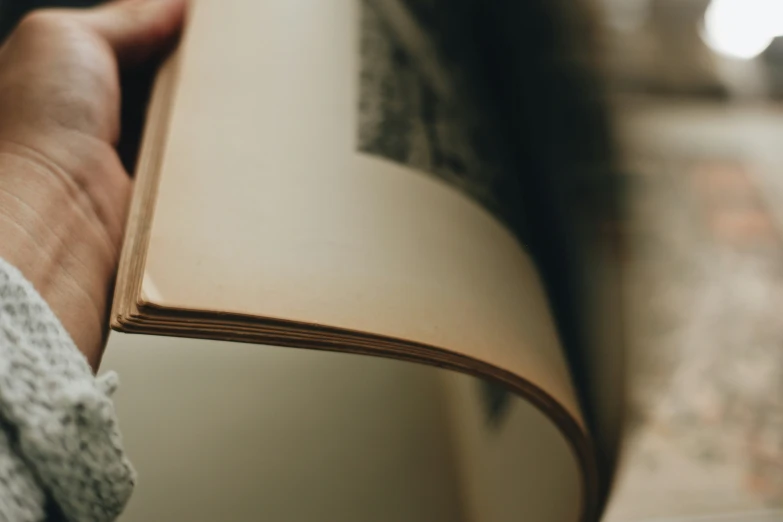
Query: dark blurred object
[(773, 60), (136, 89), (656, 47)]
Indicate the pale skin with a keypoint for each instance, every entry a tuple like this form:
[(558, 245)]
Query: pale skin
[(63, 190)]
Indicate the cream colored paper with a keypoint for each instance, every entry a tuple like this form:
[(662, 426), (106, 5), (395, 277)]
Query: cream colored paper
[(265, 208)]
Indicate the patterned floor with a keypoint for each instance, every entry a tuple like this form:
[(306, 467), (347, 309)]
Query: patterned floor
[(705, 294)]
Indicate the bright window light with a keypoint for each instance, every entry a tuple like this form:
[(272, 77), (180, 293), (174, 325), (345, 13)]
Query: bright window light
[(742, 28)]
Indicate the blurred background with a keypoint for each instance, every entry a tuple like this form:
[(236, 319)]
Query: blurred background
[(695, 89), (712, 49)]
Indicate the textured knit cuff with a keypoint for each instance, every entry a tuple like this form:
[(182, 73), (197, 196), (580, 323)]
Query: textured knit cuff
[(64, 420)]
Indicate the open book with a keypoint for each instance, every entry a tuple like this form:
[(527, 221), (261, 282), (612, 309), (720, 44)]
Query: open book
[(350, 175)]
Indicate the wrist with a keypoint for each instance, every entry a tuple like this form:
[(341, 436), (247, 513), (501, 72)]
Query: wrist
[(54, 234)]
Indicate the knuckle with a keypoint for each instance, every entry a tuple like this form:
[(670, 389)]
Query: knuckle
[(44, 20)]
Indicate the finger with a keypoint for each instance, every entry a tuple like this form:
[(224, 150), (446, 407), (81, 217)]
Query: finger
[(137, 29)]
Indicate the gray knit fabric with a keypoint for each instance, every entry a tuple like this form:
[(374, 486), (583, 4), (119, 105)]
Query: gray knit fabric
[(59, 440)]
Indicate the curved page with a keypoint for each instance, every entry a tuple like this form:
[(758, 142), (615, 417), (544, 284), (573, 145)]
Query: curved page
[(271, 204)]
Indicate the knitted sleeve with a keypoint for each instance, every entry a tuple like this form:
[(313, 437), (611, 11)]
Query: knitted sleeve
[(60, 447)]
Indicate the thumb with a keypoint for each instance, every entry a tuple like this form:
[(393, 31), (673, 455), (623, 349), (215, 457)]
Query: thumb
[(137, 29)]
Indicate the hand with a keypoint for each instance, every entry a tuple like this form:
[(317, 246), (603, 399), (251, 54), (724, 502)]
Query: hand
[(63, 190)]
